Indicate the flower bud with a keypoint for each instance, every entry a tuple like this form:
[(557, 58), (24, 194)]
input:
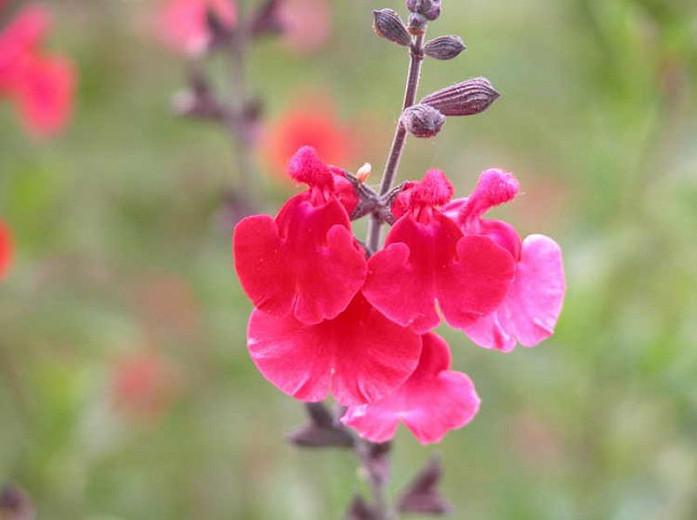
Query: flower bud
[(430, 9), (388, 25), (463, 99), (422, 121), (444, 47)]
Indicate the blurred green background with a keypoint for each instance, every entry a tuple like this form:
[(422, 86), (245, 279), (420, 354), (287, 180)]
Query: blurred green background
[(120, 253)]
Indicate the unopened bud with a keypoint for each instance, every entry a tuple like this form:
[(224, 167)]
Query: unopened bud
[(417, 24), (463, 99), (387, 24), (364, 172), (444, 47), (267, 19), (422, 121), (430, 9)]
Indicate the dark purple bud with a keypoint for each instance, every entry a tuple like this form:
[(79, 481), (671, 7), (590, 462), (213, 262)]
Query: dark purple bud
[(15, 504), (359, 510), (322, 431), (463, 99), (417, 24), (422, 121), (444, 47), (421, 495), (430, 9), (220, 34), (267, 19), (388, 25)]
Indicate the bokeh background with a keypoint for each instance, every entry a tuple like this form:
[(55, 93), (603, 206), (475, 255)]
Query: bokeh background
[(126, 391)]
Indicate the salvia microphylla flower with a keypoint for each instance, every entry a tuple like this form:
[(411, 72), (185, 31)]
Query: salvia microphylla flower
[(39, 85), (428, 263), (531, 307), (6, 249), (433, 401), (305, 262), (312, 123), (182, 24)]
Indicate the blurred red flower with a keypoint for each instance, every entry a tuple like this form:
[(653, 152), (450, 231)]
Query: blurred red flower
[(6, 249), (182, 25), (143, 384), (309, 123), (40, 85)]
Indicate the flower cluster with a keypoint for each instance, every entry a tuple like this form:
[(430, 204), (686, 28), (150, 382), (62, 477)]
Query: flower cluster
[(40, 85), (332, 319)]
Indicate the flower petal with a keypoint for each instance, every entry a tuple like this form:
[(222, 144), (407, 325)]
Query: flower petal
[(476, 281), (305, 262), (531, 309), (433, 401), (400, 281), (358, 357), (428, 262)]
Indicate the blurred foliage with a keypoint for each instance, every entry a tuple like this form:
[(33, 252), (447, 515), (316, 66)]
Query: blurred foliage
[(120, 251)]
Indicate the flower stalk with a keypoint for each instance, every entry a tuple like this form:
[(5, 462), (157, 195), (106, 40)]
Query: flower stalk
[(416, 57)]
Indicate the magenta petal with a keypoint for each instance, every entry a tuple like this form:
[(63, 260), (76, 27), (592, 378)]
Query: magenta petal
[(428, 262), (531, 309), (476, 281), (305, 261), (358, 357), (433, 401)]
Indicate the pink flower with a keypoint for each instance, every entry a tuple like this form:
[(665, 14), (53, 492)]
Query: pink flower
[(305, 261), (311, 122), (358, 357), (182, 24), (427, 260), (433, 401), (307, 24), (530, 310), (41, 86), (6, 249)]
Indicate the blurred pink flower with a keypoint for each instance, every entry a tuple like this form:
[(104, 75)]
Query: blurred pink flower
[(41, 86), (311, 122), (182, 24), (143, 384), (6, 249), (307, 24)]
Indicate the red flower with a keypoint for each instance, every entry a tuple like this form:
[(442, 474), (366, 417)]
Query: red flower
[(427, 261), (531, 308), (305, 261), (182, 24), (41, 86), (358, 357), (6, 249), (143, 384), (433, 401), (312, 124)]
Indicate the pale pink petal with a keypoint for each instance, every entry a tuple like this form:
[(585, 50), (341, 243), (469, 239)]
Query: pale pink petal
[(531, 309)]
